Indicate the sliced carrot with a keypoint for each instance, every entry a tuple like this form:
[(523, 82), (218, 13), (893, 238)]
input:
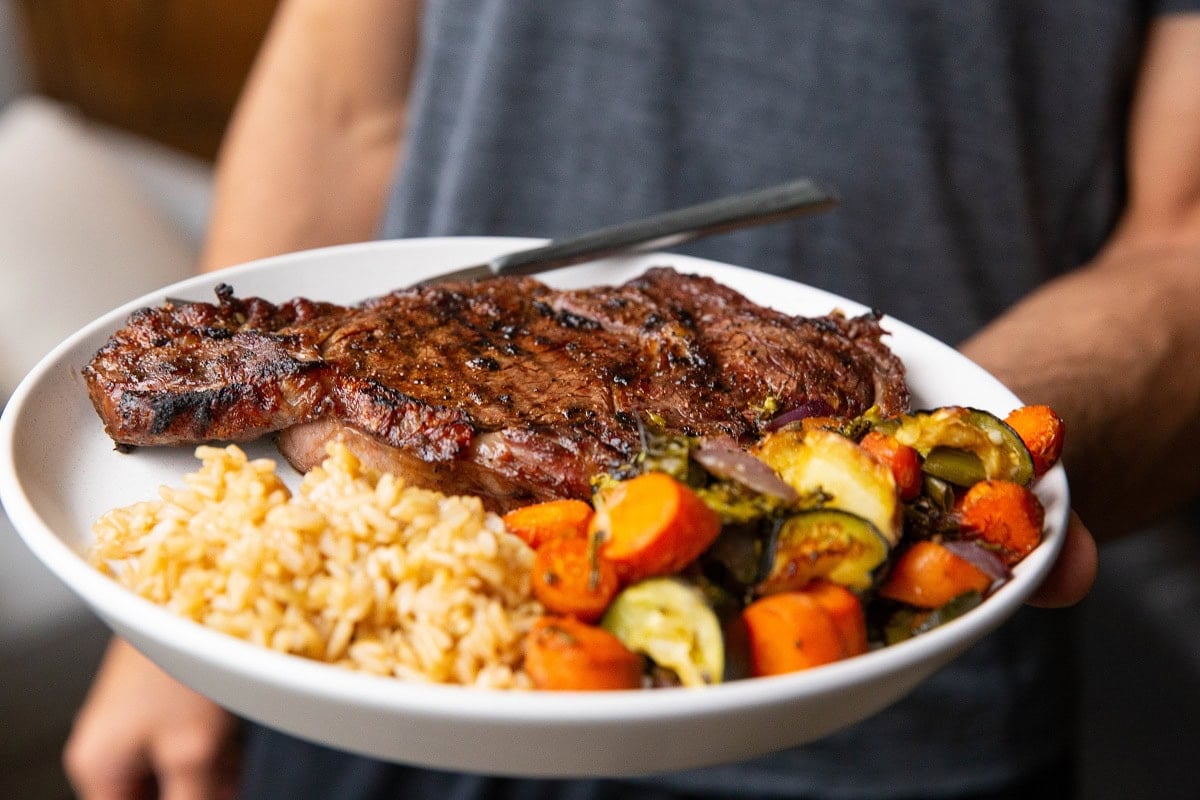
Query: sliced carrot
[(846, 611), (902, 460), (790, 631), (652, 525), (553, 519), (1006, 515), (928, 575), (570, 578), (566, 654), (1043, 432)]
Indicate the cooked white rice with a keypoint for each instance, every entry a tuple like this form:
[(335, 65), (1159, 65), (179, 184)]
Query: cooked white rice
[(355, 569)]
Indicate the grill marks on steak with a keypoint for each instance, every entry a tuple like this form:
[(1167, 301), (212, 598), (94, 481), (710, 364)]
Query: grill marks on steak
[(503, 388), (196, 372), (751, 352)]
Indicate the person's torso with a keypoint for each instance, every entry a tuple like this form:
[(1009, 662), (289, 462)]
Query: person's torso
[(975, 146)]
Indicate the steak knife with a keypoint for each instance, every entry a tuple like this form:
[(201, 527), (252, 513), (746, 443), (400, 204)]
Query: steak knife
[(668, 229)]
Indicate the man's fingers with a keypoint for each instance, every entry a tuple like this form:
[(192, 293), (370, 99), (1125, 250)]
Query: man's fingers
[(97, 773), (196, 762), (140, 730), (1073, 574), (197, 784)]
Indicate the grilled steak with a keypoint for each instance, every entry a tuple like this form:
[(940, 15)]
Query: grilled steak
[(503, 388)]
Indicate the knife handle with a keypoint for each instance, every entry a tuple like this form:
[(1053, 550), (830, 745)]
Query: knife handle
[(671, 228)]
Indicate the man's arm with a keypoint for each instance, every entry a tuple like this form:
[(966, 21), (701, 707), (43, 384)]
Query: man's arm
[(306, 162), (1115, 346), (314, 141)]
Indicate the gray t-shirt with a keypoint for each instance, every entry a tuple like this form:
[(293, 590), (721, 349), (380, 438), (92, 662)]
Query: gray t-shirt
[(976, 147), (975, 143)]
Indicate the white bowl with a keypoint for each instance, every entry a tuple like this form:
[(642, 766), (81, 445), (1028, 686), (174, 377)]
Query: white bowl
[(59, 472)]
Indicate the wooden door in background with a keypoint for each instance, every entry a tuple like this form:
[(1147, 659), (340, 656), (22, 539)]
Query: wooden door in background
[(169, 70)]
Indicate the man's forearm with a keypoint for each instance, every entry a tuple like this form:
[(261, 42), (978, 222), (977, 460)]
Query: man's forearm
[(314, 140), (1114, 348)]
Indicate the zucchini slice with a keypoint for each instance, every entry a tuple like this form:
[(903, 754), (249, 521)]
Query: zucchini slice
[(821, 462), (907, 622), (964, 445), (670, 622), (825, 543)]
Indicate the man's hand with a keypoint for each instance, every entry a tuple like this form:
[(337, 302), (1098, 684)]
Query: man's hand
[(139, 729), (1075, 571)]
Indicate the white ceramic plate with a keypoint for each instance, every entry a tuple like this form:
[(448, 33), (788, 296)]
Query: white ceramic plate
[(59, 472)]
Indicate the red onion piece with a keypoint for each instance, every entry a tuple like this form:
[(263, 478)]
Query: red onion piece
[(809, 408), (726, 460), (987, 560)]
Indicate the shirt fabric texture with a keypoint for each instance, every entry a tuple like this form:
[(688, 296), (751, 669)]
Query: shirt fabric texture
[(976, 148)]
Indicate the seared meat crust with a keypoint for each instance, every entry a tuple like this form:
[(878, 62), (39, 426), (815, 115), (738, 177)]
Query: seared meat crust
[(504, 388)]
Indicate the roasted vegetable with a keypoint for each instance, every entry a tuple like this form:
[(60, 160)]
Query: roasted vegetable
[(552, 519), (732, 464), (850, 427), (963, 445), (846, 610), (652, 525), (813, 409), (827, 543), (570, 578), (566, 654), (670, 622), (928, 575), (792, 631), (735, 560), (1005, 515), (932, 514), (902, 460), (737, 505), (660, 452), (1043, 432), (736, 563), (827, 463), (907, 622)]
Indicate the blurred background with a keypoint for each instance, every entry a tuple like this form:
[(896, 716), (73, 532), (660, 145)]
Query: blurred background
[(111, 112)]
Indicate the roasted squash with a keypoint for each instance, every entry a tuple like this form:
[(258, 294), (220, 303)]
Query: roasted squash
[(821, 462), (671, 623), (827, 543), (963, 445)]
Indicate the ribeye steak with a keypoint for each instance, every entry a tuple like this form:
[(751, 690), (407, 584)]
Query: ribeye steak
[(504, 388)]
